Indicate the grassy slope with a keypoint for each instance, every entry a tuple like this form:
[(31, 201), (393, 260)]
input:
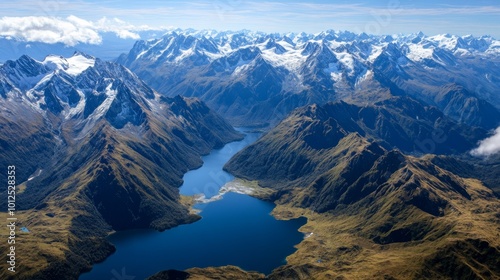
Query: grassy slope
[(344, 244), (484, 169), (221, 273)]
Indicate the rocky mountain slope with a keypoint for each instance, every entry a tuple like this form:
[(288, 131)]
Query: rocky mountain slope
[(296, 147), (96, 150)]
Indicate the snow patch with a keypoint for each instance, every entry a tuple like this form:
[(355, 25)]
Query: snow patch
[(368, 74), (291, 60), (376, 52), (79, 107), (99, 111), (419, 52), (78, 64), (185, 54), (241, 67), (347, 60), (73, 66), (164, 50), (148, 49), (334, 72), (103, 108), (36, 174), (56, 62), (445, 41)]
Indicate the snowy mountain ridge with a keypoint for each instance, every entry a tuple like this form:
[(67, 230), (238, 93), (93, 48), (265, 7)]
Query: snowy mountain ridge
[(215, 44), (235, 71), (80, 88)]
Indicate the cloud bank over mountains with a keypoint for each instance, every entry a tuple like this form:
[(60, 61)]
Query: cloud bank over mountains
[(70, 31), (488, 146)]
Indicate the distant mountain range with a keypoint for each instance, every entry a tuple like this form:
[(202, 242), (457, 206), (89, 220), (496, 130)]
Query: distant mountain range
[(256, 78), (95, 150)]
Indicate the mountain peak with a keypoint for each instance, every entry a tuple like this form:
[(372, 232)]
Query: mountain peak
[(80, 53), (73, 65), (80, 88)]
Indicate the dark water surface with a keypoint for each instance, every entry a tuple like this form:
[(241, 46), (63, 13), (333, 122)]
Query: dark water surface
[(237, 230)]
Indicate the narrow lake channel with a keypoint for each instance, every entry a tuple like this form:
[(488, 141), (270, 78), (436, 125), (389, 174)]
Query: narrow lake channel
[(236, 230)]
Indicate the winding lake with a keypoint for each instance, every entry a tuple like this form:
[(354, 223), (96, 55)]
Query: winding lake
[(236, 230)]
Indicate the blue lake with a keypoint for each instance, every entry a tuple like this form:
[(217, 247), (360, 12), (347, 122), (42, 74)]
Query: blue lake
[(237, 230), (210, 177)]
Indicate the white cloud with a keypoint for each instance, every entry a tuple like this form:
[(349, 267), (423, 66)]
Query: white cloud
[(69, 31), (119, 27), (488, 146)]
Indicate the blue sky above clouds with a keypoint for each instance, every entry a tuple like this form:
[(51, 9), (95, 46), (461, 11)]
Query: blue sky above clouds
[(375, 17)]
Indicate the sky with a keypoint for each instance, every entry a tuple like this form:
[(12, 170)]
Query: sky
[(37, 18)]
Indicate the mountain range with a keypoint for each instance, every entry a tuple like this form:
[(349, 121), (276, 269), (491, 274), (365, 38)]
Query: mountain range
[(373, 211), (96, 150), (397, 123), (254, 78)]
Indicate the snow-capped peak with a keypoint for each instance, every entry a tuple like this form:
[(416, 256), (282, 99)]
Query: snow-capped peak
[(73, 66)]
